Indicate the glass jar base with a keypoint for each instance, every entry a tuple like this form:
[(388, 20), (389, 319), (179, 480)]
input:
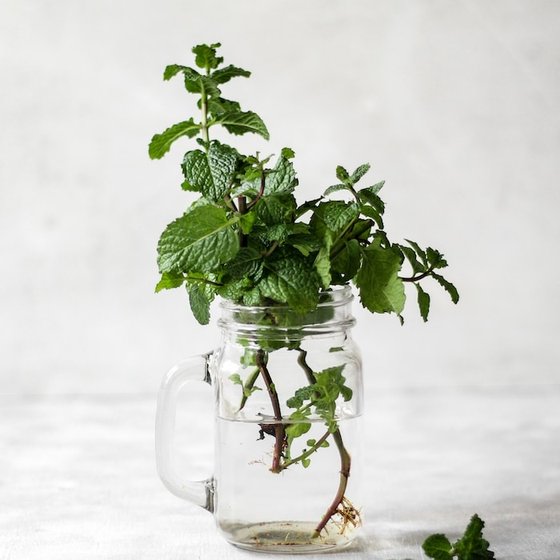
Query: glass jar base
[(288, 537)]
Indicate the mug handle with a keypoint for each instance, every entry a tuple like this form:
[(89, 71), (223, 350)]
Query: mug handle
[(194, 369)]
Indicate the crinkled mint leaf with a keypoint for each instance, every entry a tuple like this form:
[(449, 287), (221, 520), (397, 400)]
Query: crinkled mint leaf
[(241, 122), (174, 69), (381, 289), (161, 143), (276, 209), (322, 263), (247, 263), (281, 179), (218, 106), (287, 279), (200, 241), (473, 546), (226, 73), (336, 188), (210, 173), (438, 547), (205, 56), (334, 216), (347, 260)]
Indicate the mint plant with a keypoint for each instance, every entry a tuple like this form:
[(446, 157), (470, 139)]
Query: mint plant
[(247, 239), (471, 546)]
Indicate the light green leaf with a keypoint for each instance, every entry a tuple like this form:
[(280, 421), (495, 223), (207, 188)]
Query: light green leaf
[(170, 280), (336, 188), (236, 379), (200, 241), (374, 189), (211, 173), (288, 279), (322, 263), (247, 263), (359, 173), (226, 73), (161, 143), (423, 302), (241, 122), (381, 290)]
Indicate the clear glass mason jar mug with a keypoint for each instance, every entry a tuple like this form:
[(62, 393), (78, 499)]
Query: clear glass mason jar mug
[(288, 401)]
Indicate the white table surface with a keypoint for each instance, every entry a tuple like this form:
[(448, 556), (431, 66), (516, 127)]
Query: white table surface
[(78, 481)]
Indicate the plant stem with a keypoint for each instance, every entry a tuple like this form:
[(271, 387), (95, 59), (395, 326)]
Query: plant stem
[(204, 109), (419, 277), (279, 432), (345, 460), (306, 454)]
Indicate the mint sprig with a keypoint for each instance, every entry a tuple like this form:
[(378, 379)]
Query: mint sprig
[(471, 546)]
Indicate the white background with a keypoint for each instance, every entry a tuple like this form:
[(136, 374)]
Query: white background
[(455, 104)]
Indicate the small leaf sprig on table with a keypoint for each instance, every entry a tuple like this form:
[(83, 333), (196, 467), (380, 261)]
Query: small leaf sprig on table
[(471, 546), (248, 240)]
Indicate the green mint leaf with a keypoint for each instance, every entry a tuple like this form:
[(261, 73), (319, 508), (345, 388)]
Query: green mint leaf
[(372, 213), (199, 300), (205, 56), (374, 189), (247, 263), (305, 462), (247, 221), (200, 241), (420, 252), (322, 263), (336, 188), (341, 174), (241, 122), (367, 197), (288, 153), (226, 73), (473, 546), (410, 255), (235, 378), (447, 286), (333, 217), (435, 258), (359, 173), (211, 173), (381, 290), (296, 430), (423, 302), (438, 547), (161, 143), (218, 106), (169, 280), (174, 69), (282, 179), (347, 260), (288, 280), (276, 209)]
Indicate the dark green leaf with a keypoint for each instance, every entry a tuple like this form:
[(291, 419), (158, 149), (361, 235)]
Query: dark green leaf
[(247, 263), (211, 173), (334, 216), (218, 106), (423, 302), (322, 263), (368, 197), (473, 546), (241, 122), (347, 259), (276, 209), (410, 255), (447, 286), (161, 143), (341, 174), (419, 251), (200, 241), (435, 258), (288, 280), (381, 289), (438, 547), (174, 69), (206, 56), (226, 73)]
